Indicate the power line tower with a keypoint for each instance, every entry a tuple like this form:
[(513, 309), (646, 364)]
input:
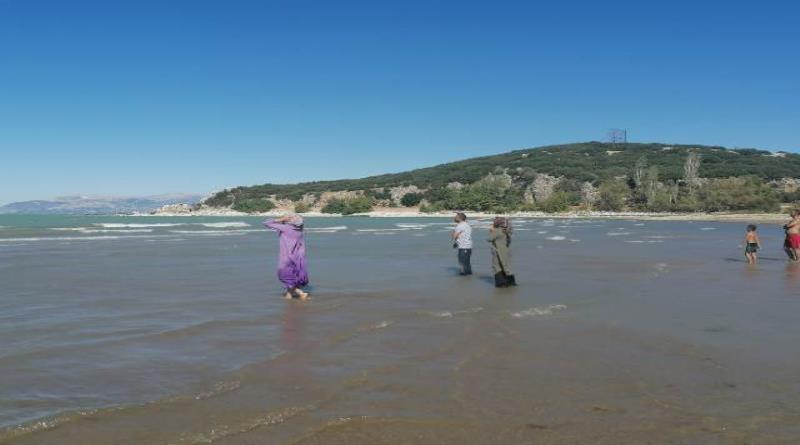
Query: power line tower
[(617, 136)]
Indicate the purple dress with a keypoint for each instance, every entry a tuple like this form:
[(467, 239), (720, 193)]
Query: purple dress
[(292, 269)]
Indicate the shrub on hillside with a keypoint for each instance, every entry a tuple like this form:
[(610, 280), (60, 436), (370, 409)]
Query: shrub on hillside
[(253, 205), (411, 199), (612, 196), (557, 202), (348, 206), (742, 193), (301, 207)]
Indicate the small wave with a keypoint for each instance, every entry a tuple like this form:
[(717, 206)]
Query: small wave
[(379, 325), (381, 230), (93, 230), (219, 388), (226, 224), (116, 231), (72, 238), (448, 314), (214, 232), (556, 238), (411, 226), (618, 233), (44, 424), (542, 232), (325, 229), (635, 241), (708, 228), (136, 225), (219, 432), (539, 311)]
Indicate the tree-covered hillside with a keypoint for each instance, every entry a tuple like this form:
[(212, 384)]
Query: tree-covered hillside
[(511, 178)]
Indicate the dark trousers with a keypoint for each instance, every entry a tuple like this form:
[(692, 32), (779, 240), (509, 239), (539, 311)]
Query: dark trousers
[(464, 256), (503, 280)]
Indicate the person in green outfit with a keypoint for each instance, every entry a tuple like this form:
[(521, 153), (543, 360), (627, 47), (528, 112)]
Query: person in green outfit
[(500, 239)]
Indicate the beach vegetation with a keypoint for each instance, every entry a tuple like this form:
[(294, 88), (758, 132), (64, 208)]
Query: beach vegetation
[(301, 207), (652, 177), (348, 206), (253, 205), (411, 199)]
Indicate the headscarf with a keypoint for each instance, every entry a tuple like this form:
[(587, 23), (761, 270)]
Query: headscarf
[(503, 224), (296, 221)]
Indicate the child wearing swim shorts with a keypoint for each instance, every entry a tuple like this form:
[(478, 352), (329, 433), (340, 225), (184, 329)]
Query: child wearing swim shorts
[(751, 244)]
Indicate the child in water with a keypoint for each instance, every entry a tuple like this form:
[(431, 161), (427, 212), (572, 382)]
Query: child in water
[(751, 244)]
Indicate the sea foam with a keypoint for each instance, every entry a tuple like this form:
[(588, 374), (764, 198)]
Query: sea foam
[(226, 224), (539, 311)]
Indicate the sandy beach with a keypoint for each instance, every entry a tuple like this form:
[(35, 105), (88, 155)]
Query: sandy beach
[(410, 212)]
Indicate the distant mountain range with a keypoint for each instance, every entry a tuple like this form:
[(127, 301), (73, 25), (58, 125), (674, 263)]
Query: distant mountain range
[(95, 205)]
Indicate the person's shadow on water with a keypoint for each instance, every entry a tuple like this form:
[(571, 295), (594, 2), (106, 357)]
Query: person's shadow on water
[(453, 269)]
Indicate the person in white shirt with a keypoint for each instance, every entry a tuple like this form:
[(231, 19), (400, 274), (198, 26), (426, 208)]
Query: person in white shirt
[(462, 240)]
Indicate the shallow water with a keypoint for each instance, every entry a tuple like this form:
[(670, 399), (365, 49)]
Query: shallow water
[(172, 330)]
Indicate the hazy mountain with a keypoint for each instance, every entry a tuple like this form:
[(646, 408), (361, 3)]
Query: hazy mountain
[(98, 204)]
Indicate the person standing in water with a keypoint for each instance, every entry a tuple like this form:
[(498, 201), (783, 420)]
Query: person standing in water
[(292, 270), (500, 239), (751, 244), (462, 240), (792, 243)]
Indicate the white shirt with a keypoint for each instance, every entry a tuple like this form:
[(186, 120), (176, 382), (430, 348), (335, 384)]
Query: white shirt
[(464, 235)]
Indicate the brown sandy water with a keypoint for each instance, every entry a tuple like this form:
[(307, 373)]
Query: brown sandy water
[(622, 332)]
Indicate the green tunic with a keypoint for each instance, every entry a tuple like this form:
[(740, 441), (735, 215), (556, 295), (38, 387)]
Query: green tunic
[(501, 252)]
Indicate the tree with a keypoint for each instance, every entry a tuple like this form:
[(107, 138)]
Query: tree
[(411, 199), (734, 194), (557, 202), (612, 196), (691, 170), (639, 171), (301, 207), (348, 206), (253, 205)]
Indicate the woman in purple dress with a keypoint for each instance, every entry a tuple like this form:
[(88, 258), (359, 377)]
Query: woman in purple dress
[(292, 270)]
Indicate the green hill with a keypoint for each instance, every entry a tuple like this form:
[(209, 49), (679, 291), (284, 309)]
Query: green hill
[(652, 172)]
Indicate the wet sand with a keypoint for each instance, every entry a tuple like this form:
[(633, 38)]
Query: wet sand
[(621, 332)]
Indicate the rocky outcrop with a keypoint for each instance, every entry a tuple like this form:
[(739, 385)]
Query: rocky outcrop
[(589, 194), (788, 185), (398, 193), (174, 209), (542, 187), (344, 194)]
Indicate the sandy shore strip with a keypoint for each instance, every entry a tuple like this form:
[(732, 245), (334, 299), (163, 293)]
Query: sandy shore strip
[(415, 213)]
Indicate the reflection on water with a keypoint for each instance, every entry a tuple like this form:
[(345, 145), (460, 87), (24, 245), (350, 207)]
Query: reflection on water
[(793, 278)]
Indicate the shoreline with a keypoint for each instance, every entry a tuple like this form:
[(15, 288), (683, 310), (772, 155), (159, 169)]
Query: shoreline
[(413, 213)]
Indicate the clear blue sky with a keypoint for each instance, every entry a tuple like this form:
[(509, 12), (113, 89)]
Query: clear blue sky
[(141, 97)]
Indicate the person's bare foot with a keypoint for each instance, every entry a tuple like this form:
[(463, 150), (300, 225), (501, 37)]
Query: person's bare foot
[(303, 295), (288, 296)]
